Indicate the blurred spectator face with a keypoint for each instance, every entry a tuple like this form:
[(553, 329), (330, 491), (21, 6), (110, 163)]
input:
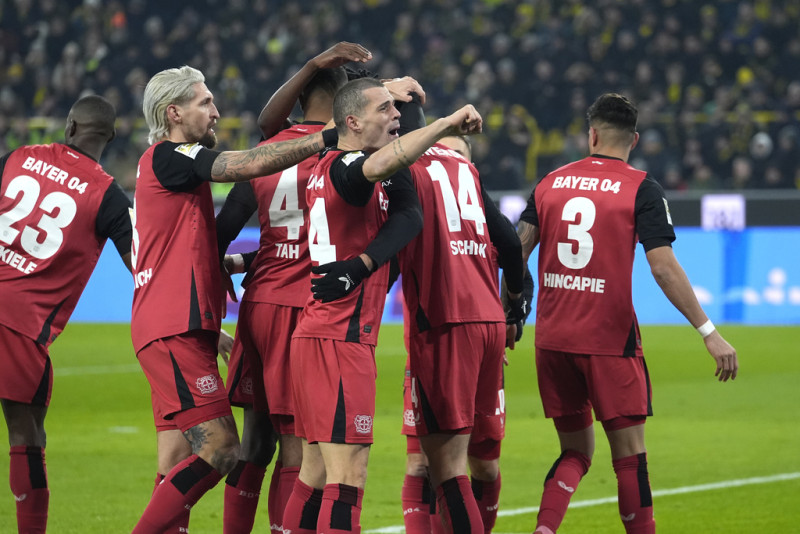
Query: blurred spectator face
[(761, 145), (742, 171)]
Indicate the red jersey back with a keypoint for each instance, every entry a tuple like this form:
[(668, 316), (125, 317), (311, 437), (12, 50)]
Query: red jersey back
[(49, 199), (177, 282), (337, 231), (449, 271), (280, 271), (588, 236)]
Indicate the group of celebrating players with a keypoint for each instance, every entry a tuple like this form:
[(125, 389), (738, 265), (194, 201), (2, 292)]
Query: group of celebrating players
[(343, 212)]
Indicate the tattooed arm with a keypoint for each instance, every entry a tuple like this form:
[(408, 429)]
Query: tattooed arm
[(236, 166), (404, 151)]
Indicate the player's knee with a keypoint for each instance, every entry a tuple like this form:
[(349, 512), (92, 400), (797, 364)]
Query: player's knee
[(225, 457), (487, 470)]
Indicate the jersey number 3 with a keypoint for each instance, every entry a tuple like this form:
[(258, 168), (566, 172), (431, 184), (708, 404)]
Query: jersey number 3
[(582, 210)]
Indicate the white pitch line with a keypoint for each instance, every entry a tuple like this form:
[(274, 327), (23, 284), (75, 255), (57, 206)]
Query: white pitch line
[(608, 500)]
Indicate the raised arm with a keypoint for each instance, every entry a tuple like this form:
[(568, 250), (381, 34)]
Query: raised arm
[(673, 281), (404, 151), (280, 105)]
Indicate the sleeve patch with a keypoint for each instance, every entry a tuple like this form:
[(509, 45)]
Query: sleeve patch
[(350, 157), (189, 149)]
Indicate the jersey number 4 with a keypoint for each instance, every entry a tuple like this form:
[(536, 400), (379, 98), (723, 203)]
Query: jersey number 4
[(59, 211)]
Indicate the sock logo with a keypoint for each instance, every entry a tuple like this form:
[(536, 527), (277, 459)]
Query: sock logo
[(492, 508), (627, 518), (564, 486), (20, 498)]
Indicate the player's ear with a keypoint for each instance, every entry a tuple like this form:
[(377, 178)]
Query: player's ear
[(353, 123), (635, 140)]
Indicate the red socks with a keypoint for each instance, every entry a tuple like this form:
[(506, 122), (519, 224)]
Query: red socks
[(341, 509), (302, 509), (635, 499), (559, 486), (283, 489), (487, 495), (180, 490), (416, 498), (242, 489), (457, 506), (28, 480)]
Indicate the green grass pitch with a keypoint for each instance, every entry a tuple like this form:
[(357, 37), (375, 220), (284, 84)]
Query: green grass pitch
[(715, 450)]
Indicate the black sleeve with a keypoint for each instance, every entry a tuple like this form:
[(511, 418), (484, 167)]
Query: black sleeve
[(114, 220), (529, 214), (182, 167), (527, 291), (239, 206), (347, 177), (248, 258), (411, 115), (404, 222), (505, 239), (653, 221)]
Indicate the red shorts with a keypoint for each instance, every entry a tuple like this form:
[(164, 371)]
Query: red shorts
[(455, 373), (26, 374), (334, 390), (266, 334), (571, 384), (240, 377), (185, 385), (485, 427)]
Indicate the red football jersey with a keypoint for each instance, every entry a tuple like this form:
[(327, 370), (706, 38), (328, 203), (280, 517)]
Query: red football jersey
[(49, 200), (280, 272), (588, 236), (177, 281), (337, 231), (449, 271)]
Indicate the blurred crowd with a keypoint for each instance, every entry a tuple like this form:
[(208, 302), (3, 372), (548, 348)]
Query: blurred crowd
[(716, 82)]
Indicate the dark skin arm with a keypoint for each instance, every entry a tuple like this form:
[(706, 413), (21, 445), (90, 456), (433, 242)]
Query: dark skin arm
[(280, 105)]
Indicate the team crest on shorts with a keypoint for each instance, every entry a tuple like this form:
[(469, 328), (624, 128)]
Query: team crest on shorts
[(207, 384), (363, 424), (408, 418), (246, 386)]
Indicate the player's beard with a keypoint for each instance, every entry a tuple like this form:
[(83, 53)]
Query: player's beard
[(209, 140)]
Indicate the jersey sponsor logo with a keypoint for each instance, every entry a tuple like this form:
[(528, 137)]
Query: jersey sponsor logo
[(189, 149), (315, 182), (363, 424), (350, 157), (17, 261), (383, 201), (53, 173), (207, 384), (586, 183), (574, 283), (408, 418), (467, 248)]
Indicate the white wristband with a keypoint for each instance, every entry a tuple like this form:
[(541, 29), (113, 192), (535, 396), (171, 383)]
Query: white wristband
[(706, 329)]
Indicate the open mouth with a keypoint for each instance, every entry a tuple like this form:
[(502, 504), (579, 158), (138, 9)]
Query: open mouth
[(394, 132)]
